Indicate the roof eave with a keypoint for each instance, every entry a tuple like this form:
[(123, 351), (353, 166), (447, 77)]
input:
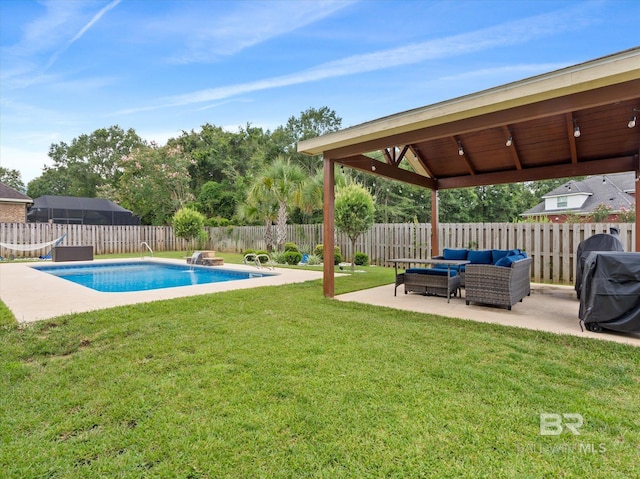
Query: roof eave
[(606, 71)]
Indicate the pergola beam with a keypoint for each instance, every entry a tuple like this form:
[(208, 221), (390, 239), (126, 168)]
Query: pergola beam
[(375, 167), (585, 168)]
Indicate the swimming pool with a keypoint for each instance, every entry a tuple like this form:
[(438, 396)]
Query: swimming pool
[(143, 275)]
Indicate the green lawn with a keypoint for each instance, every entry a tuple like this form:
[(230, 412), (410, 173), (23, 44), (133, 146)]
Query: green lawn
[(282, 382)]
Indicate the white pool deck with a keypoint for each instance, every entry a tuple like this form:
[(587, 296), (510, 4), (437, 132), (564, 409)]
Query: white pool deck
[(34, 295)]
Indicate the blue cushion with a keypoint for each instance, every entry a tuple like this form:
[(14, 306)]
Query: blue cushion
[(480, 257), (508, 260), (441, 266), (497, 254), (432, 271), (456, 254)]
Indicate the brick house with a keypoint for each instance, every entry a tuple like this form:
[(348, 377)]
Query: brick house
[(615, 192), (13, 205)]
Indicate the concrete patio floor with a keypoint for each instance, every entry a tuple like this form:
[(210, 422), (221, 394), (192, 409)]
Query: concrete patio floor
[(549, 308)]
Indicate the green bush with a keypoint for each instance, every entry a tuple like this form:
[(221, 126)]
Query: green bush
[(292, 257), (361, 259), (314, 260), (291, 247), (187, 223), (278, 257), (249, 251), (337, 255)]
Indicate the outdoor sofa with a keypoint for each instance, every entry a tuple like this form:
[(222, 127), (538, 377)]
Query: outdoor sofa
[(499, 285), (487, 257)]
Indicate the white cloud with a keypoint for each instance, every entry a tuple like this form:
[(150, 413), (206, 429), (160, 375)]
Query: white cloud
[(510, 33), (246, 24), (24, 62), (82, 31)]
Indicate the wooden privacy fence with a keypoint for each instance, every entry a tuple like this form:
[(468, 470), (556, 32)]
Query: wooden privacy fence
[(551, 245)]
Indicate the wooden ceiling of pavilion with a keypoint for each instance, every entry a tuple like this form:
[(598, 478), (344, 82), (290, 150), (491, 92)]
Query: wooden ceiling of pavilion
[(468, 146)]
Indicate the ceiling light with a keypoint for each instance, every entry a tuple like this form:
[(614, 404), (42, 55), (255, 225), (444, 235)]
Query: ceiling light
[(509, 141), (632, 122), (576, 129), (460, 149)]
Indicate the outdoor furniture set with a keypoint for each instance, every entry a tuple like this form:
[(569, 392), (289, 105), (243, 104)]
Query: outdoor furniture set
[(496, 277)]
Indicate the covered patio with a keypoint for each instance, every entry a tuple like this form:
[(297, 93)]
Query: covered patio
[(550, 308), (571, 122)]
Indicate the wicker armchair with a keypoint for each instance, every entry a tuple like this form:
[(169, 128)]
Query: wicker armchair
[(498, 285), (428, 284)]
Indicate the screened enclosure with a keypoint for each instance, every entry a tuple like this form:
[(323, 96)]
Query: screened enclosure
[(79, 211)]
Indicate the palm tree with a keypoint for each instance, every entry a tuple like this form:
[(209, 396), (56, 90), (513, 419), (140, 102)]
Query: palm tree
[(281, 182)]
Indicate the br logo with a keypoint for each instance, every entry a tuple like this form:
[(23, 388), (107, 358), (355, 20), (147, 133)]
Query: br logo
[(552, 424)]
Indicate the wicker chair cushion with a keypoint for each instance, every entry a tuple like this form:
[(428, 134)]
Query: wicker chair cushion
[(480, 257), (457, 254), (498, 254), (508, 260)]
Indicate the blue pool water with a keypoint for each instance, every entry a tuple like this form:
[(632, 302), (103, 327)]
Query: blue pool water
[(142, 276)]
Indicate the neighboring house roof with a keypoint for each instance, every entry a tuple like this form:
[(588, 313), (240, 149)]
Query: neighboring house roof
[(611, 190), (10, 195), (77, 203)]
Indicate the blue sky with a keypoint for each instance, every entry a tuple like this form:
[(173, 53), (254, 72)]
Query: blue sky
[(161, 67)]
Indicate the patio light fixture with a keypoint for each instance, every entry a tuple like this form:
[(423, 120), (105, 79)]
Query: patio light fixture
[(460, 149), (576, 128), (509, 141), (632, 122)]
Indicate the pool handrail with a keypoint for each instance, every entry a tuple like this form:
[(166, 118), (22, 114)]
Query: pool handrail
[(144, 243), (255, 257)]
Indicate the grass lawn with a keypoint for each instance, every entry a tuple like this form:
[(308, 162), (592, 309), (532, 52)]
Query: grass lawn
[(282, 382)]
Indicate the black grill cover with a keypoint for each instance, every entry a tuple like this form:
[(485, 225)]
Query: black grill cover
[(599, 242), (610, 294)]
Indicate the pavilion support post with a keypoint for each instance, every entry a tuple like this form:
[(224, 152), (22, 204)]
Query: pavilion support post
[(328, 269), (637, 245), (435, 246)]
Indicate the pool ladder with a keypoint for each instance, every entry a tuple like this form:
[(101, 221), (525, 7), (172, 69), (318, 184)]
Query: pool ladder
[(144, 243), (255, 258)]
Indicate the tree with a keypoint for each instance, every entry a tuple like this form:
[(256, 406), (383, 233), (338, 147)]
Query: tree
[(12, 178), (217, 199), (309, 124), (354, 213), (154, 183), (188, 223), (263, 209), (90, 161), (281, 182)]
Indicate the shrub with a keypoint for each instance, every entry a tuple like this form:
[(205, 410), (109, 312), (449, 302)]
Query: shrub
[(278, 257), (314, 260), (249, 251), (361, 259), (290, 247), (187, 223), (292, 257), (337, 255)]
